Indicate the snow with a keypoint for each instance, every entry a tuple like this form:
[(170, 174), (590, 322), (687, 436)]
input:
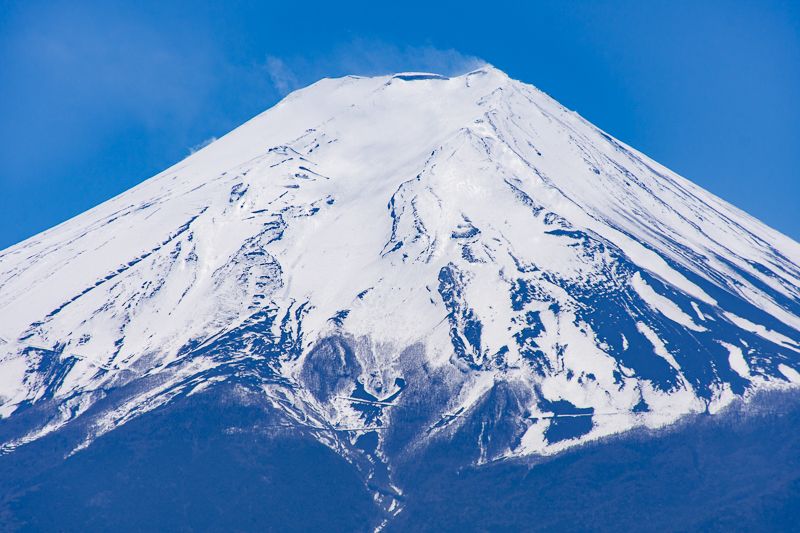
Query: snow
[(763, 331), (12, 374), (337, 212), (790, 373), (737, 361), (658, 345), (697, 310), (663, 305)]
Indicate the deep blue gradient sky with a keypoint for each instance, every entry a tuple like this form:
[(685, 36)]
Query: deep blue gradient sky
[(97, 96)]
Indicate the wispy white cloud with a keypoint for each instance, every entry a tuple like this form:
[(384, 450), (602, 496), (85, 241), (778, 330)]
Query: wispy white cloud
[(201, 145), (370, 57), (366, 57), (280, 75)]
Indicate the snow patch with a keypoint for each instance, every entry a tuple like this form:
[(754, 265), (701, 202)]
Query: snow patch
[(663, 305), (789, 373), (737, 361), (762, 331), (658, 345)]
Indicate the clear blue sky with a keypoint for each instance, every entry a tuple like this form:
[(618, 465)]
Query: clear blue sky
[(97, 96)]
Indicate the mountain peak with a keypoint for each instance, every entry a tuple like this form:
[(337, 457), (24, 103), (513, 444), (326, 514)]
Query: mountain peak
[(418, 76), (461, 247)]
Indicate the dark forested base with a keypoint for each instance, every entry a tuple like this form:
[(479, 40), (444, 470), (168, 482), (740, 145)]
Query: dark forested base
[(208, 463), (733, 472), (202, 464)]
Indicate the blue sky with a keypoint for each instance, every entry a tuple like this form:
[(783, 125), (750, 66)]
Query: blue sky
[(97, 96)]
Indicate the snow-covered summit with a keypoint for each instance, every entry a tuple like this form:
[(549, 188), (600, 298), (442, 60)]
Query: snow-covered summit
[(462, 247)]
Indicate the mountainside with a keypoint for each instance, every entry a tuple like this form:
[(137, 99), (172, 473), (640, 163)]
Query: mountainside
[(390, 262)]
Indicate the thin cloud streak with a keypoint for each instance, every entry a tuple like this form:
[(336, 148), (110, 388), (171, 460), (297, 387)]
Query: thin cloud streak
[(280, 75), (364, 57), (199, 146)]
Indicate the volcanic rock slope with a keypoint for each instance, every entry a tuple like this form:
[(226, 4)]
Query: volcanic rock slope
[(391, 261)]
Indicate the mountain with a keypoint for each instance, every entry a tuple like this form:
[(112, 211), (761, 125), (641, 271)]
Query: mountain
[(391, 265)]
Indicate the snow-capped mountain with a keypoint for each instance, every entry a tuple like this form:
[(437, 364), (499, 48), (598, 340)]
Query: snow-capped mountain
[(393, 260)]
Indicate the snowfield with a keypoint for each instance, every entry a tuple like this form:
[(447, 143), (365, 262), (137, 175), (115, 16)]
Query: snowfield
[(464, 247)]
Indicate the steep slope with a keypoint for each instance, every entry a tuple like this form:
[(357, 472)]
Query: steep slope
[(391, 261)]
